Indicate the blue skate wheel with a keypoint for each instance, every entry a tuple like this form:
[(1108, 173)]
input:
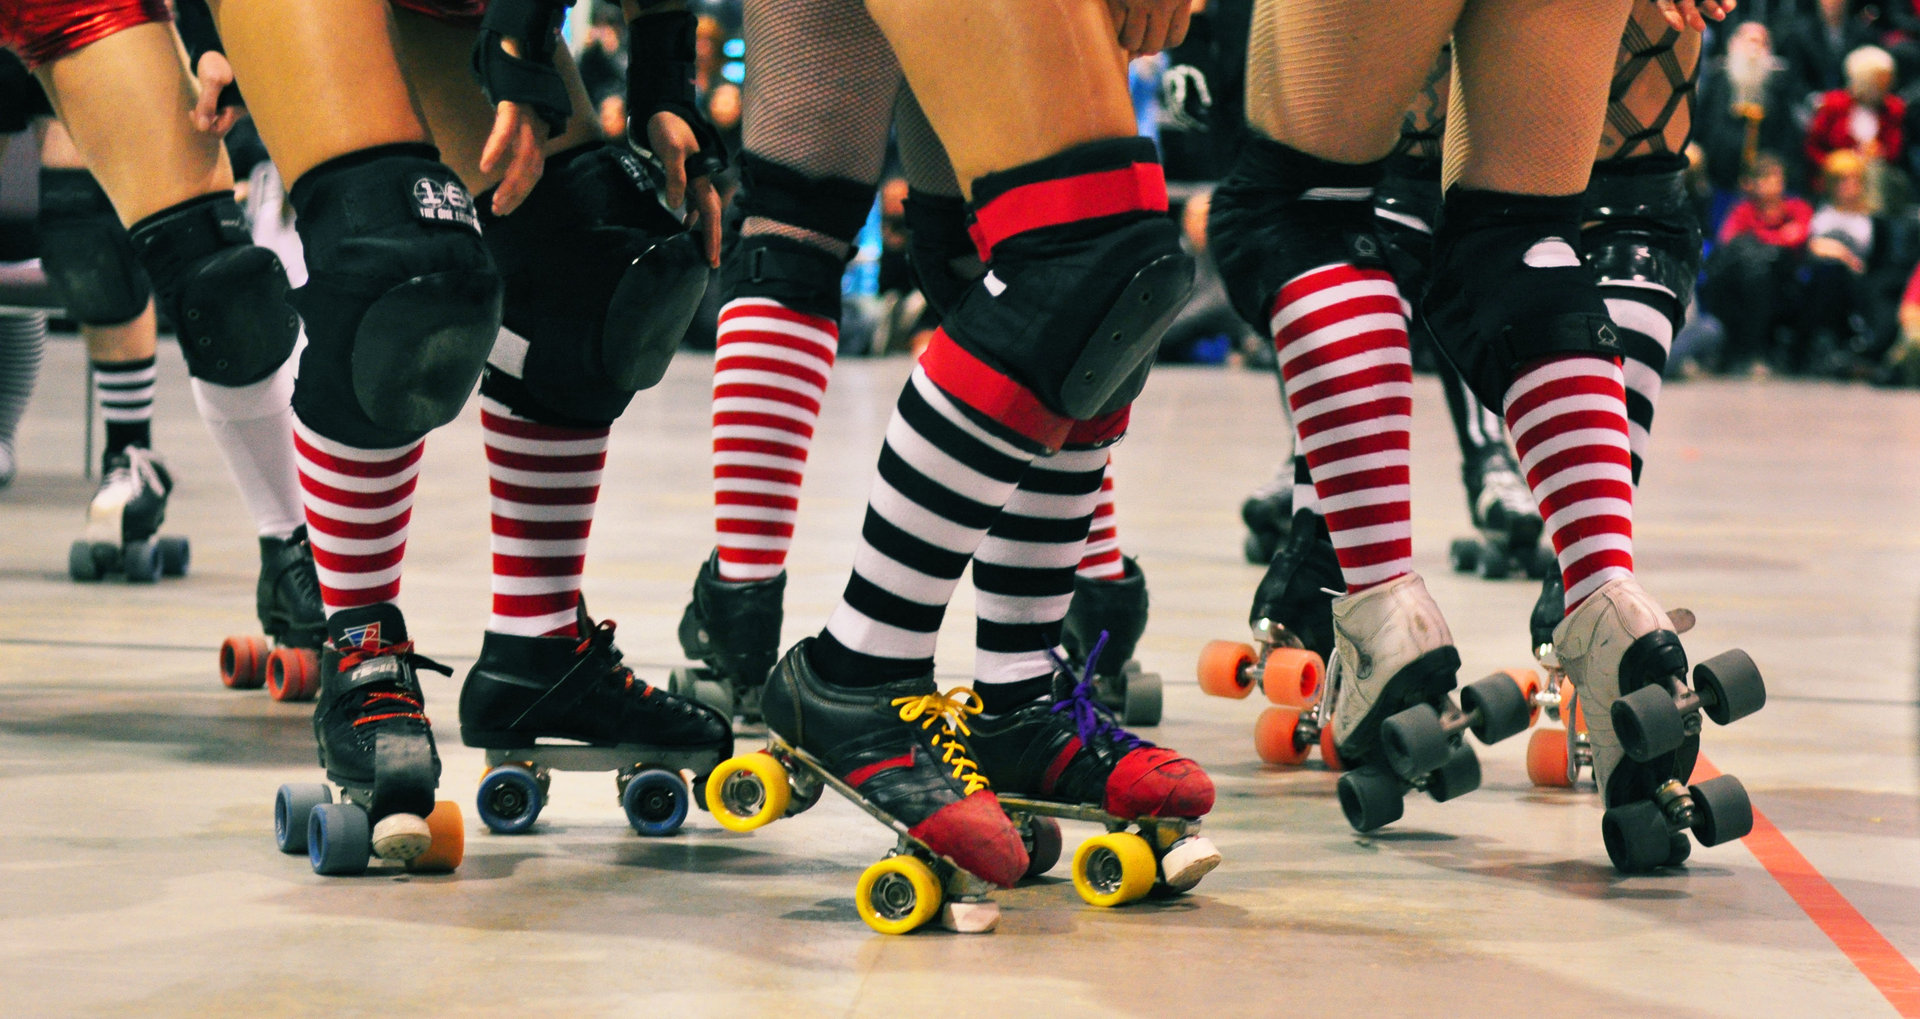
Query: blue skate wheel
[(140, 561), (656, 802), (174, 556), (81, 565), (291, 809), (339, 839), (510, 800)]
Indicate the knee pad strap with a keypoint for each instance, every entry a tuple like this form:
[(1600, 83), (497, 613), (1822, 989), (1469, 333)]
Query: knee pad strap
[(795, 273), (834, 206)]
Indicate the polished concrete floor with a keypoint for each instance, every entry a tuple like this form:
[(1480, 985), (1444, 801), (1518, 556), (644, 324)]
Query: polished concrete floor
[(137, 875)]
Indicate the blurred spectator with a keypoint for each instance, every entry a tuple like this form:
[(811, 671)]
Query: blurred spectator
[(1751, 275), (1817, 44), (1746, 108), (603, 67), (1901, 365), (719, 97), (1865, 118), (1851, 278)]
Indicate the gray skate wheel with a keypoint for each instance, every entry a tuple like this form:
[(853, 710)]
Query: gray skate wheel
[(716, 695), (1731, 686), (1636, 837), (1371, 798), (339, 839), (1143, 697), (81, 565), (1679, 847), (1042, 836), (291, 808), (175, 553), (1721, 810), (140, 561), (680, 681), (1647, 723), (1460, 776), (1495, 564), (1464, 555), (1414, 741), (1503, 706)]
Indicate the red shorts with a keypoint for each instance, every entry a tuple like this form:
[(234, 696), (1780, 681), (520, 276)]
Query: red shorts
[(43, 30), (453, 12)]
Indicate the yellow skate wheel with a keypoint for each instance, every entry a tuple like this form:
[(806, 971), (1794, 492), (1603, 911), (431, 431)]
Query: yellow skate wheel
[(897, 894), (449, 846), (748, 792), (1114, 869)]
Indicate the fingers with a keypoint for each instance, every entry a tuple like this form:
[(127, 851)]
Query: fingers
[(523, 172), (498, 138), (1177, 28), (1153, 35), (1133, 28), (206, 109), (224, 121), (706, 202)]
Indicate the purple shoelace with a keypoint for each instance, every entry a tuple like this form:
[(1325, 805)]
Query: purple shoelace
[(1090, 717)]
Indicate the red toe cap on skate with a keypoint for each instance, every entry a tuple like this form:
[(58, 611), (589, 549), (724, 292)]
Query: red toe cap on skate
[(1156, 782), (976, 834)]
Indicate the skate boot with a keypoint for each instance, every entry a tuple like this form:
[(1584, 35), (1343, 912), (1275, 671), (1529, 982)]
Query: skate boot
[(1066, 757), (287, 600), (1504, 513), (543, 704), (734, 628), (376, 744), (125, 514), (901, 753), (1117, 609), (1268, 514), (1643, 725)]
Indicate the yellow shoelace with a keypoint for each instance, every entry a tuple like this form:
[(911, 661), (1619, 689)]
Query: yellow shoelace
[(951, 709)]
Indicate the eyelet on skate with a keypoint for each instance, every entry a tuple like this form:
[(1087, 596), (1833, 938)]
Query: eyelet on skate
[(951, 708)]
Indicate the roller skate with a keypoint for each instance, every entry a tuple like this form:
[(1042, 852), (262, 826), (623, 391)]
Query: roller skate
[(734, 629), (1268, 514), (1504, 513), (377, 746), (126, 512), (1292, 623), (287, 600), (900, 752), (1117, 611), (1643, 722), (542, 704), (1065, 757)]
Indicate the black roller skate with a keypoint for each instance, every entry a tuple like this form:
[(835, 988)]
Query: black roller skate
[(1065, 757), (1268, 514), (543, 704), (900, 753), (1118, 610), (734, 629), (1505, 515), (122, 520), (287, 601), (377, 746)]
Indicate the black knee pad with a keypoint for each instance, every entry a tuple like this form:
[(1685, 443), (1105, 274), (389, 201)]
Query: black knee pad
[(944, 258), (795, 273), (1510, 288), (227, 297), (1641, 228), (402, 302), (1282, 212), (834, 206), (1074, 303), (601, 282), (88, 259)]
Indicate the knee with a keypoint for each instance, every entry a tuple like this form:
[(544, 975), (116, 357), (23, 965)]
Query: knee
[(85, 251), (227, 298)]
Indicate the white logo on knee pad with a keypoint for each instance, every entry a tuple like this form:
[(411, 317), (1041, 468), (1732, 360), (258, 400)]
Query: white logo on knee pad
[(1552, 253), (444, 202)]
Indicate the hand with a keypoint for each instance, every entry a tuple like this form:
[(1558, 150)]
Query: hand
[(671, 141), (1693, 14), (1149, 26), (214, 74), (516, 138)]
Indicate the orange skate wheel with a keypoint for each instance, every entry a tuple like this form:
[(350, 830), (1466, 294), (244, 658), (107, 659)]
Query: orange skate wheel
[(1273, 734), (1223, 668), (1529, 683), (293, 674), (1571, 712), (243, 663), (1328, 754), (448, 831), (1292, 676), (1547, 758)]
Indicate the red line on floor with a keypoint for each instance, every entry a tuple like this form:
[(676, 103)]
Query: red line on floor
[(1870, 952)]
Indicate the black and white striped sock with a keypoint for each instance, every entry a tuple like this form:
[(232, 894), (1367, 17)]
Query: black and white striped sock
[(124, 390), (23, 334), (1645, 314)]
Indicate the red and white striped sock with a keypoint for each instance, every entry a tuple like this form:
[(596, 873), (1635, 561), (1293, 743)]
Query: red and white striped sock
[(1101, 558), (770, 369), (1568, 419), (544, 481), (358, 502), (1341, 333)]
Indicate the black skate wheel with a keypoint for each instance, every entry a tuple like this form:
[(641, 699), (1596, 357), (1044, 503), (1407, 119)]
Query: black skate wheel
[(1460, 776), (291, 808), (1636, 837), (140, 561), (1143, 698), (1414, 741), (1495, 564), (1679, 847), (1371, 798), (680, 681), (1463, 555), (175, 553), (656, 801), (339, 839), (81, 565), (1257, 550), (1042, 836), (1543, 564), (1648, 723), (510, 799), (1721, 810), (1731, 686), (1504, 708)]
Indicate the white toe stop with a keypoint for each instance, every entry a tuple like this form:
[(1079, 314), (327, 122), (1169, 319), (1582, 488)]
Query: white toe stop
[(1682, 620), (401, 837), (975, 917), (1188, 861)]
